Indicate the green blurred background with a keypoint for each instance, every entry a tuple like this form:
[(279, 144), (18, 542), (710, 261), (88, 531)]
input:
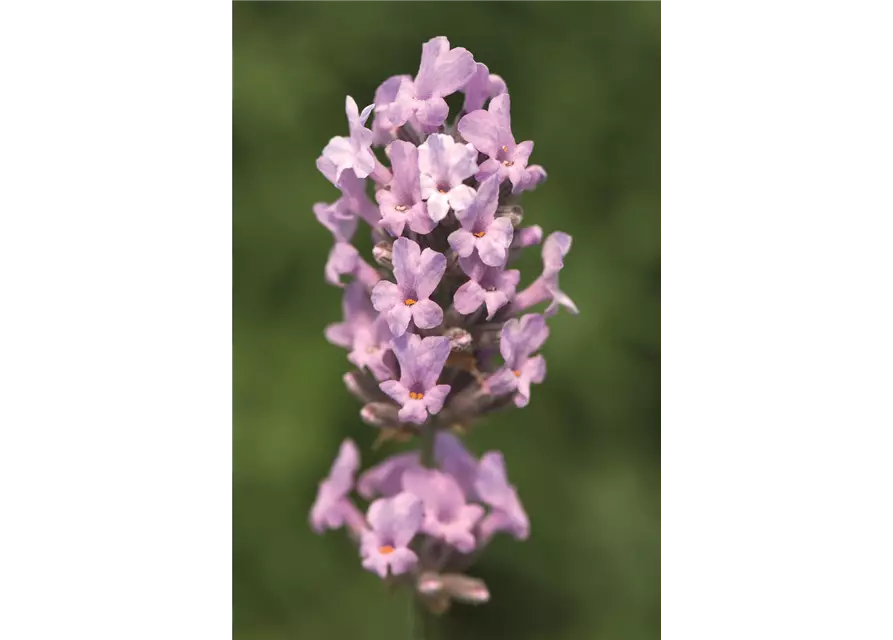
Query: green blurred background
[(585, 455)]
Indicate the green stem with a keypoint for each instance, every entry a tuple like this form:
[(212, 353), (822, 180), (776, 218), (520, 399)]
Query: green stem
[(429, 432)]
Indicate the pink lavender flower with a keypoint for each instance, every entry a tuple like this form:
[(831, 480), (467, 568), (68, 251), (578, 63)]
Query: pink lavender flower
[(520, 338), (444, 165), (490, 132), (442, 72), (417, 391), (401, 202), (355, 151), (545, 287), (481, 231), (417, 273), (363, 332), (332, 509), (491, 286), (353, 201), (393, 523), (506, 512), (482, 86), (447, 516)]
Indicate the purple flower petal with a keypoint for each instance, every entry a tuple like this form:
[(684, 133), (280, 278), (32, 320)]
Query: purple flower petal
[(337, 219), (426, 313), (435, 397), (398, 318), (493, 245), (481, 87), (386, 295), (447, 516), (430, 269), (480, 130), (493, 488), (462, 242), (385, 478), (469, 297), (413, 411), (521, 337), (406, 258), (397, 518), (329, 510)]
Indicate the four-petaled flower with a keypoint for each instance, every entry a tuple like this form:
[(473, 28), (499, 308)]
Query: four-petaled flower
[(363, 331), (332, 509), (421, 101), (520, 338), (490, 132), (481, 230), (444, 164), (401, 202), (355, 151), (418, 273), (506, 512), (491, 286), (447, 516), (393, 523), (421, 362), (545, 287)]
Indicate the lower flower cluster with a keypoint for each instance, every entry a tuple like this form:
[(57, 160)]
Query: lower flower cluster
[(425, 523)]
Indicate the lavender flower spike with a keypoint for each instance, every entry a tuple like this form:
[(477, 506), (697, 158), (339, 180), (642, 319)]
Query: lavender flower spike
[(447, 516), (332, 509), (506, 513), (444, 165), (520, 338), (393, 524), (490, 132), (418, 273), (353, 152), (441, 72), (556, 246), (364, 333), (491, 286), (401, 203), (417, 391), (481, 230)]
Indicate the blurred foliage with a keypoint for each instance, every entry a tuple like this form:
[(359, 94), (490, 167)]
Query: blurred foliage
[(585, 82)]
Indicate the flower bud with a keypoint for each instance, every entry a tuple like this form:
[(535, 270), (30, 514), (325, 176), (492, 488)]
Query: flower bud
[(513, 212), (363, 386), (379, 414), (465, 588), (383, 253), (460, 339)]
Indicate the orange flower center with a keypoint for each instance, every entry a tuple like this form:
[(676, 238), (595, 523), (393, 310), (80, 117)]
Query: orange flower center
[(505, 148), (480, 234), (401, 208), (409, 302), (416, 395), (385, 550), (517, 373), (442, 190), (507, 163)]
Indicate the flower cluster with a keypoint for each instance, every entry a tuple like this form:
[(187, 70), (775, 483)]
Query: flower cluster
[(423, 327)]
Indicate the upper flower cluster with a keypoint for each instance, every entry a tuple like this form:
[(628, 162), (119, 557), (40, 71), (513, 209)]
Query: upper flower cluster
[(423, 326)]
